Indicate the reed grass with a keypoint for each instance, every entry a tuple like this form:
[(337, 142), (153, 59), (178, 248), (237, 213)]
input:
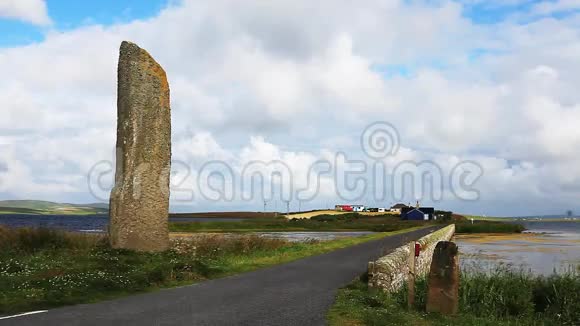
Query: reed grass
[(500, 296)]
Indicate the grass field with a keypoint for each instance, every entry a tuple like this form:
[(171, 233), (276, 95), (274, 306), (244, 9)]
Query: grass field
[(37, 207), (337, 222), (46, 268), (334, 222), (18, 210), (310, 214), (228, 215), (487, 218), (64, 211)]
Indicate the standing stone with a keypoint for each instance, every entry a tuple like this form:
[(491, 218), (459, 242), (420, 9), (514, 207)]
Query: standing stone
[(443, 293), (139, 204)]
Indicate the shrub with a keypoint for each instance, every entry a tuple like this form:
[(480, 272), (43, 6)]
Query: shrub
[(488, 227), (558, 296)]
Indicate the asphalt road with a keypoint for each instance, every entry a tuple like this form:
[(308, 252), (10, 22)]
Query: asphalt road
[(296, 293)]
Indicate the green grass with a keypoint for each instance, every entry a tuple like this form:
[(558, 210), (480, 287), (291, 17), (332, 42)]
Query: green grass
[(46, 268), (19, 210), (67, 211), (488, 218), (352, 222), (342, 222), (38, 207), (31, 204), (498, 297)]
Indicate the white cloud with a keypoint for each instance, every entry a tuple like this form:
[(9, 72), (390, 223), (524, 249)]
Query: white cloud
[(546, 8), (31, 11), (300, 80)]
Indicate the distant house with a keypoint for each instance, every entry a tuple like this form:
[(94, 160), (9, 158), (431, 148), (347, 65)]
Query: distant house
[(418, 213), (358, 208), (397, 208), (382, 209), (343, 208)]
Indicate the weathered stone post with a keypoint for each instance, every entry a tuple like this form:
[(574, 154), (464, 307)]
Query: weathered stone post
[(411, 277), (443, 283), (139, 203)]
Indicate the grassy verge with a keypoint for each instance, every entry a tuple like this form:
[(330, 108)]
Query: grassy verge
[(344, 222), (43, 268), (500, 297)]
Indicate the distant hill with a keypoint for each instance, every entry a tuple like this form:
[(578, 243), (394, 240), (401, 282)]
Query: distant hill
[(39, 207)]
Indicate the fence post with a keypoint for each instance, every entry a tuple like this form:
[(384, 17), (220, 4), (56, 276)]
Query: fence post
[(443, 293)]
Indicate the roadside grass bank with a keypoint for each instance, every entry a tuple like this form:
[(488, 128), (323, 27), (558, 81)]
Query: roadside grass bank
[(498, 297), (43, 268), (343, 222)]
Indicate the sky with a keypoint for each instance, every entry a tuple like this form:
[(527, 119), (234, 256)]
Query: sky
[(480, 96)]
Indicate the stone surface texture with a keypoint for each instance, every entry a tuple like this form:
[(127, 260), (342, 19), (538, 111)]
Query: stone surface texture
[(391, 272), (139, 202), (443, 281)]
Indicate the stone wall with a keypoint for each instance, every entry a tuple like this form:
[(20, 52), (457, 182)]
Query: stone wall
[(390, 272)]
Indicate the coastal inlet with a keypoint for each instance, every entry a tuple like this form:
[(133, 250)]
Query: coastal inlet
[(544, 248), (99, 224)]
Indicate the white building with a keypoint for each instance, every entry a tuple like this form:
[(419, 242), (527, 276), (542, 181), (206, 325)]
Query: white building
[(358, 208)]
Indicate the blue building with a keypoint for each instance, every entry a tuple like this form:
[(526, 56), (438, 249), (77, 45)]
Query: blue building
[(418, 213)]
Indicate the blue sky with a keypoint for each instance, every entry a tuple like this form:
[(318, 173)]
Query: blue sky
[(494, 12), (67, 15), (492, 82)]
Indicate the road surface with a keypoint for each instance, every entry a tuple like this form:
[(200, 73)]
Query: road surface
[(295, 293)]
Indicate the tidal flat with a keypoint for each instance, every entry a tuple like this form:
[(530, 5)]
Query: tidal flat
[(545, 248)]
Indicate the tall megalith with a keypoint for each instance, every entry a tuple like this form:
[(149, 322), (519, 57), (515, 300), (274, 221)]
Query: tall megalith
[(139, 203)]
